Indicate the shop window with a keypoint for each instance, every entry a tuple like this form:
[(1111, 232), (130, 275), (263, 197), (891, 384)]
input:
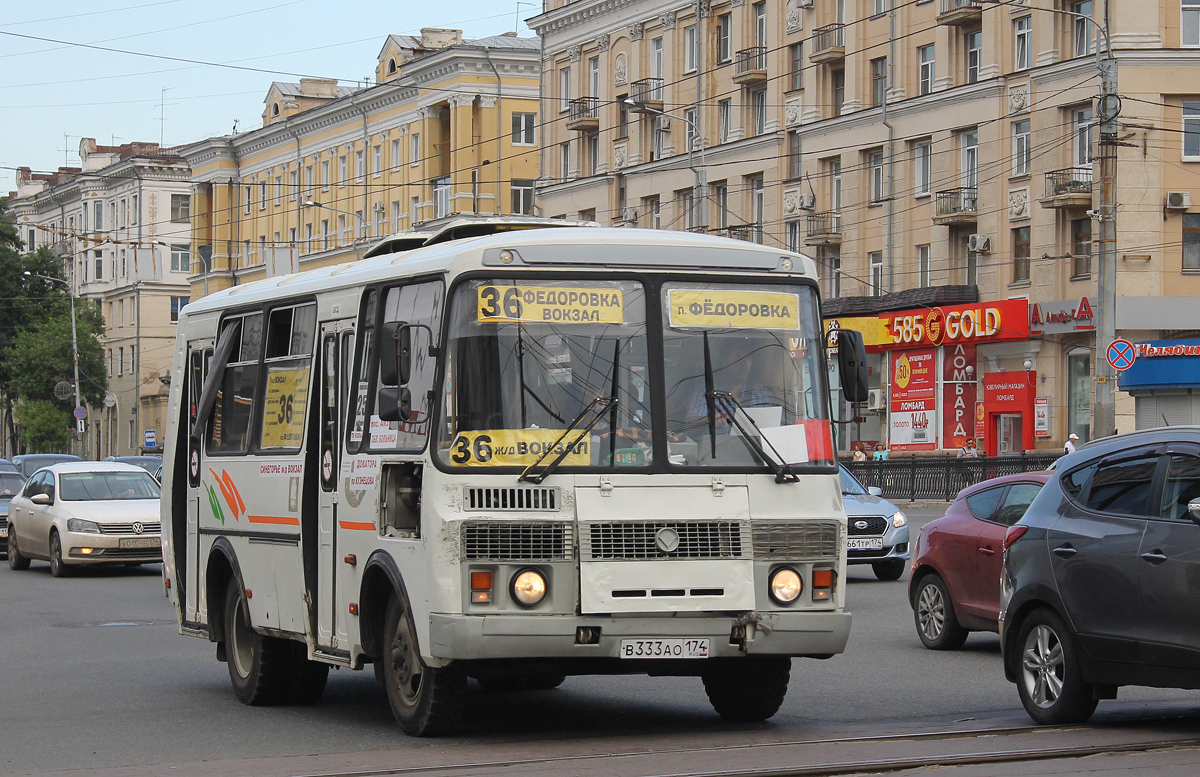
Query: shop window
[(1079, 394)]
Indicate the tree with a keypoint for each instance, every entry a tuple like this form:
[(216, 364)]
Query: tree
[(42, 424)]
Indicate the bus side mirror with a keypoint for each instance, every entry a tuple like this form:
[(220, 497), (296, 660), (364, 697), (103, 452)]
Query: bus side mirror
[(852, 359), (395, 363), (394, 404)]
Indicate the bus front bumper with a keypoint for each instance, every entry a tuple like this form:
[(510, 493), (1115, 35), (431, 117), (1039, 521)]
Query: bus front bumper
[(472, 637)]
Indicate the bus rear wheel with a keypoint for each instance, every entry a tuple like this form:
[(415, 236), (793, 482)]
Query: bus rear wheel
[(748, 689), (426, 701), (258, 665)]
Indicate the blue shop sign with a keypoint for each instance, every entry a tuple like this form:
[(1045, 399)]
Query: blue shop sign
[(1163, 364)]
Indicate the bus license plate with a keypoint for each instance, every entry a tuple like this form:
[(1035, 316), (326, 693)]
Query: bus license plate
[(864, 543), (664, 648), (140, 542)]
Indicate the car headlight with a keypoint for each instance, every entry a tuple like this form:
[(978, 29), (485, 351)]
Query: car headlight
[(529, 588), (899, 519), (80, 525), (785, 585)]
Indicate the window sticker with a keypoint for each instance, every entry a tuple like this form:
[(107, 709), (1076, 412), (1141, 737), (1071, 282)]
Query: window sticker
[(517, 448), (286, 402), (718, 308), (550, 305)]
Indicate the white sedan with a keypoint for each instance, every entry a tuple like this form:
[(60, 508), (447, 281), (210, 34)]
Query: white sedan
[(88, 512)]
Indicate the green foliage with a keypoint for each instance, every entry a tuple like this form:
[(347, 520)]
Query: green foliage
[(41, 355), (46, 428)]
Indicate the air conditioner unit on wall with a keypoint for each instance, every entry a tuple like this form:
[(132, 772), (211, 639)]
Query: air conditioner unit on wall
[(876, 399), (804, 3), (980, 244), (629, 215), (807, 201), (1179, 200)]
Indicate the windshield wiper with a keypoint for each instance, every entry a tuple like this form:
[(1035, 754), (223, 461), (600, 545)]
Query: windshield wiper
[(783, 471), (709, 397), (605, 404)]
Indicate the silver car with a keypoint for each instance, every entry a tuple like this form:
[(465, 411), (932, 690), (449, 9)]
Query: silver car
[(85, 513), (877, 530)]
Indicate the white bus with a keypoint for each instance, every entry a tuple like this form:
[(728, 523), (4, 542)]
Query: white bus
[(514, 458)]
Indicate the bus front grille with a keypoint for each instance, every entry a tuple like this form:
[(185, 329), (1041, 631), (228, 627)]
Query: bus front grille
[(793, 541), (662, 540), (497, 541), (511, 498)]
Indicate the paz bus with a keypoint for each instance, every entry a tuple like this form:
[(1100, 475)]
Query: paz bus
[(512, 457)]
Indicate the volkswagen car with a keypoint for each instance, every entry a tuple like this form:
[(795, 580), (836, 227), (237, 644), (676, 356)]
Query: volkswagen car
[(85, 513), (877, 530)]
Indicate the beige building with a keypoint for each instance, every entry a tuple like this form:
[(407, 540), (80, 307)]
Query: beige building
[(120, 223), (928, 154), (449, 128)]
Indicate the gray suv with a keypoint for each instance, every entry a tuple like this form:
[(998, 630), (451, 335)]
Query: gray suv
[(1101, 580)]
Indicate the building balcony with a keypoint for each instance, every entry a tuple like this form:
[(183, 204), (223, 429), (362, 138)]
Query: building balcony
[(956, 206), (647, 94), (751, 233), (824, 229), (750, 66), (584, 116), (828, 44), (1069, 188), (960, 13)]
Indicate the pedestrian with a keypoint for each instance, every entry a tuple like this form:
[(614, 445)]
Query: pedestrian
[(1070, 446), (880, 453), (968, 450), (859, 453)]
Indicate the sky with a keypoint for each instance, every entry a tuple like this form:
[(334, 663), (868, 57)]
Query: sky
[(53, 92)]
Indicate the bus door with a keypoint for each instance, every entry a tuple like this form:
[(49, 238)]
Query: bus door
[(336, 336), (199, 354)]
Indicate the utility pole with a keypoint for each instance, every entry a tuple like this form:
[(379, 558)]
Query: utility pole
[(1108, 108)]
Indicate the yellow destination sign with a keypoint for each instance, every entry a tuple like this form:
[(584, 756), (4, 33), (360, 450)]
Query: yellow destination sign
[(734, 309), (550, 305), (517, 448), (283, 414)]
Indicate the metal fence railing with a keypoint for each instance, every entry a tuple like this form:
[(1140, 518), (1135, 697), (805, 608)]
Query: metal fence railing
[(941, 477)]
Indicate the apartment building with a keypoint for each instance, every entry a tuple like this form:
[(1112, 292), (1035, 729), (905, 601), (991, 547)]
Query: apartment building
[(937, 158), (450, 127), (120, 223)]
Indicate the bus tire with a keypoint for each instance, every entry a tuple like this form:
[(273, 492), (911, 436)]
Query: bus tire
[(426, 701), (748, 689), (258, 665), (308, 678)]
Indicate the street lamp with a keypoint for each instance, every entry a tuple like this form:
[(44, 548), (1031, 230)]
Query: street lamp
[(74, 344), (701, 173)]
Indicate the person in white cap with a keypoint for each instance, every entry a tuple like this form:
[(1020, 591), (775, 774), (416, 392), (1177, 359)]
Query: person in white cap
[(1070, 446)]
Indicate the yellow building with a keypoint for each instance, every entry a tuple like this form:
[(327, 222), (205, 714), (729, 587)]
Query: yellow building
[(450, 127)]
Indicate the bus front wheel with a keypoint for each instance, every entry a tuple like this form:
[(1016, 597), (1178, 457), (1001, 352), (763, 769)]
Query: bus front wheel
[(748, 689), (426, 701), (257, 664)]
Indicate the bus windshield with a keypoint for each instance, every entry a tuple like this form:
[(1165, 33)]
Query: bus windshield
[(529, 359), (743, 375)]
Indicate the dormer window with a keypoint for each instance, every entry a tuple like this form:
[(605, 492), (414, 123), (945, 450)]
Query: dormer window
[(391, 66), (274, 109)]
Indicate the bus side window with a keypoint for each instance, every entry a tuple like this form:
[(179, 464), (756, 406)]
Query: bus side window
[(360, 403), (414, 304), (229, 423), (289, 347), (195, 385)]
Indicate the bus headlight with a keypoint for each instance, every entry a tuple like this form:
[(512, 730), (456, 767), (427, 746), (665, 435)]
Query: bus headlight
[(785, 585), (529, 588)]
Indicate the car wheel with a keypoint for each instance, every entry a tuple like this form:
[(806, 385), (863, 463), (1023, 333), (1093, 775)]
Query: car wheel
[(892, 569), (1049, 681), (748, 689), (58, 567), (16, 561), (426, 701), (257, 664), (933, 612)]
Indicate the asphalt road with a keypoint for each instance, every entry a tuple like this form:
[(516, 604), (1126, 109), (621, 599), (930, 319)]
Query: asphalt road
[(93, 673)]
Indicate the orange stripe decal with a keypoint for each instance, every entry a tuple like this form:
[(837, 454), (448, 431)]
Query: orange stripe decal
[(357, 525), (279, 519)]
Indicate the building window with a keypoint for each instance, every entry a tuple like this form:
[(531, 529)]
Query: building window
[(121, 369), (658, 142), (690, 50), (180, 258), (564, 89), (837, 83), (98, 210), (878, 81), (133, 210), (876, 260), (720, 197), (308, 181), (725, 118), (653, 210), (758, 100), (414, 149), (308, 238), (658, 64), (831, 260), (98, 257), (1082, 121), (687, 207), (724, 37), (796, 57), (835, 185), (881, 7), (971, 271), (760, 24), (278, 190), (396, 214), (325, 234), (923, 266), (622, 116), (795, 236), (325, 175), (377, 161), (1189, 23), (360, 166), (757, 206), (1191, 241), (1082, 28), (969, 145), (395, 158), (1022, 43), (414, 210), (689, 116), (793, 150), (1191, 130), (262, 195), (1021, 153), (177, 304), (564, 160), (1021, 255), (974, 41), (1081, 247), (293, 184), (923, 167), (181, 208), (927, 71), (878, 186), (524, 129), (592, 143), (522, 196), (594, 77), (343, 170)]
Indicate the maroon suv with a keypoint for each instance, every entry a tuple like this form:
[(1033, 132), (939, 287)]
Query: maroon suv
[(954, 587)]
